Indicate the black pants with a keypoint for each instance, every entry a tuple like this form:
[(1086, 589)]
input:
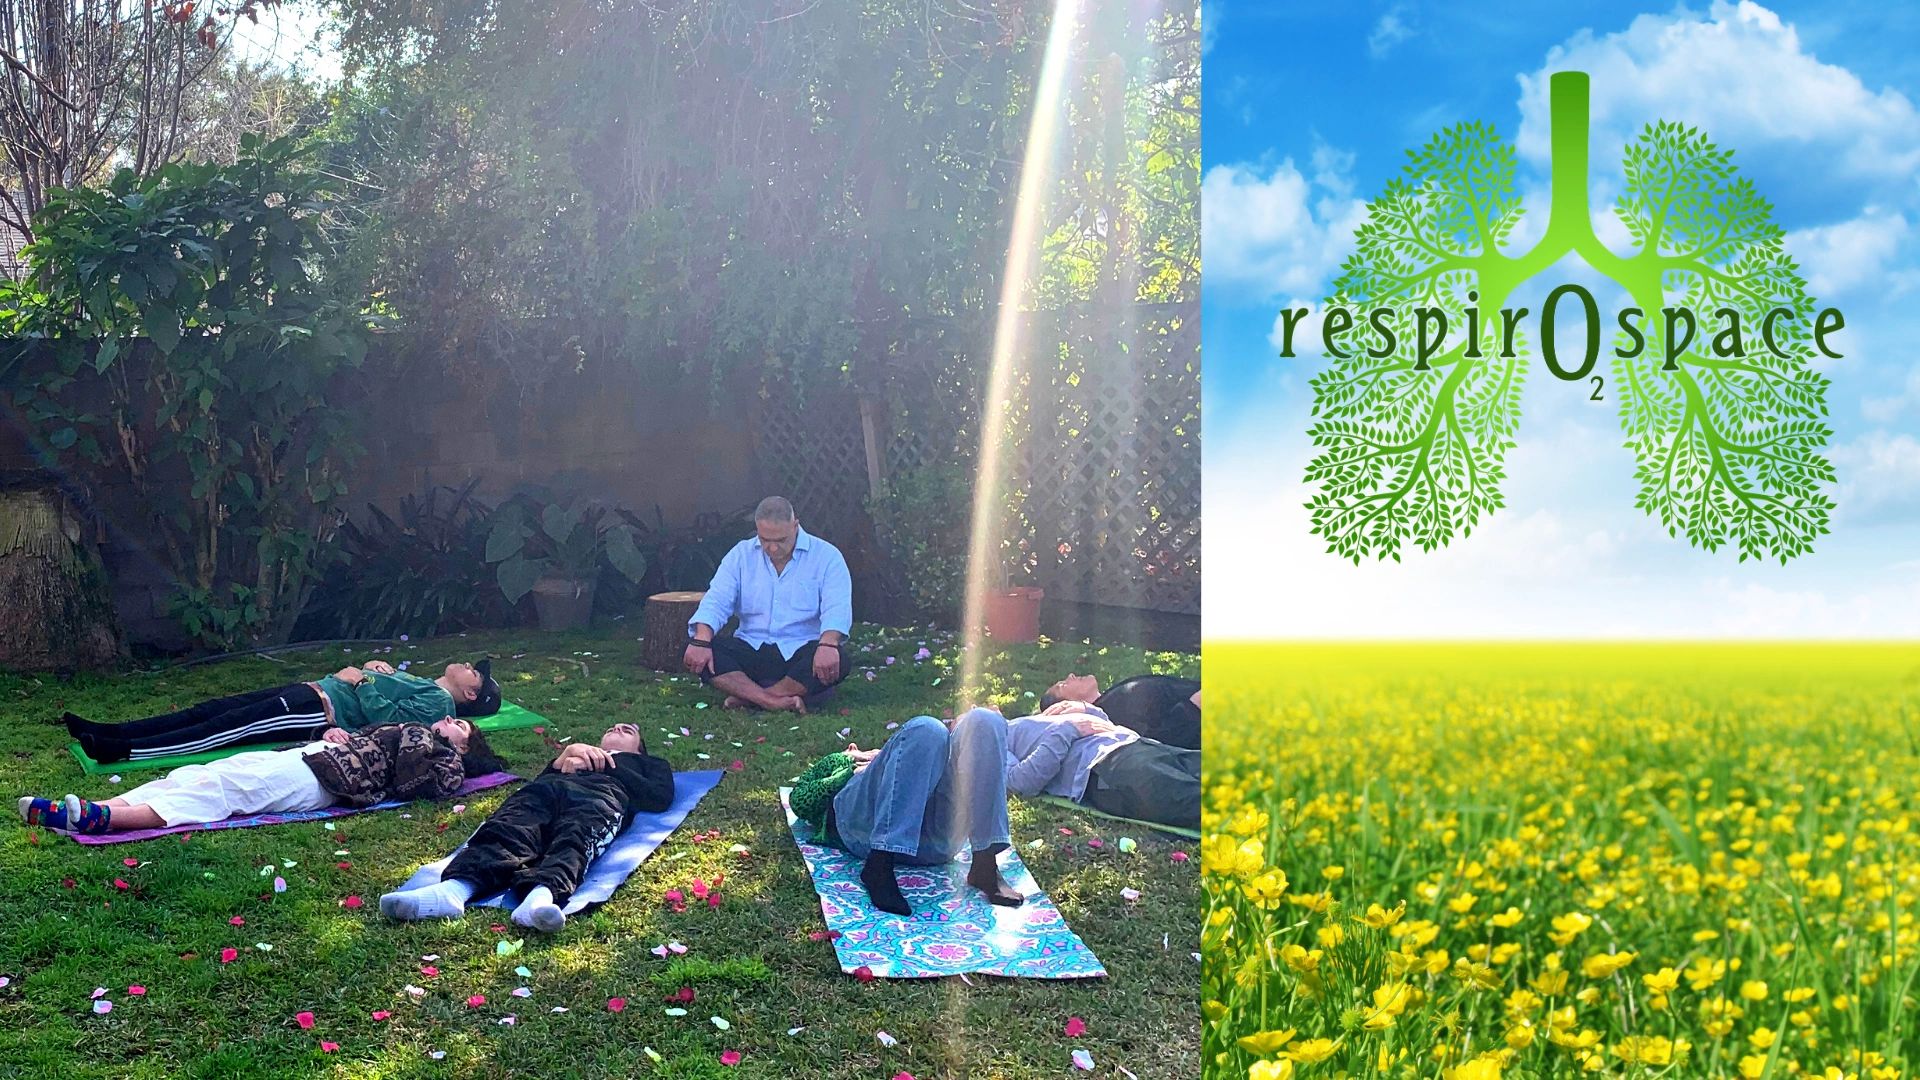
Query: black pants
[(282, 714), (544, 834), (765, 666), (1149, 781)]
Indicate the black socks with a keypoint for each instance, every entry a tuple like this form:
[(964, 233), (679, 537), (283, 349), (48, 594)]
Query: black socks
[(984, 874), (882, 889)]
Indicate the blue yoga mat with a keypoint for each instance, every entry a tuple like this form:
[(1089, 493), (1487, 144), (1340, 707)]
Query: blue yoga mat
[(618, 862)]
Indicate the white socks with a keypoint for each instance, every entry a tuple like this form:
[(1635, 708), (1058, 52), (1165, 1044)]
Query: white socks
[(539, 912), (446, 900)]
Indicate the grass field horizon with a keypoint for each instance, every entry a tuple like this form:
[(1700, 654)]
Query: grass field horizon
[(1478, 859)]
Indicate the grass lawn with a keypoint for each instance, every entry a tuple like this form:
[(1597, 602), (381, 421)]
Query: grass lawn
[(67, 926)]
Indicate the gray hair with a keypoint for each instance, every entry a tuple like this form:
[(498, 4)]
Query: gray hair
[(774, 510)]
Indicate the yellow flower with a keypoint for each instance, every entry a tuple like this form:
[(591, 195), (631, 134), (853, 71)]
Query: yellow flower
[(1333, 873), (1329, 936), (1550, 983), (1703, 972), (1223, 856), (1664, 981), (1753, 1065), (1314, 902), (1271, 1070), (1568, 927), (1462, 904), (1265, 1043), (1649, 1050), (1392, 998), (1508, 918), (1581, 1041), (1520, 1036), (1380, 918), (1301, 959), (1605, 965), (1312, 1050), (1481, 1068), (1753, 990), (1265, 891), (1762, 1038)]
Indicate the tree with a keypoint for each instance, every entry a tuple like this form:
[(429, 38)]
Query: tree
[(87, 86)]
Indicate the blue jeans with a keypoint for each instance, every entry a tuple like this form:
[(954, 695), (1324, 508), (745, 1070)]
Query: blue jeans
[(930, 793)]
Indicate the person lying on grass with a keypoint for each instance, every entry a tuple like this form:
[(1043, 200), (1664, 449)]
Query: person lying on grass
[(930, 792), (361, 768), (350, 699), (540, 841), (1161, 707), (1072, 750)]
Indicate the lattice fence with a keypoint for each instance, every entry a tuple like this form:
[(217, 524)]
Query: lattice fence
[(1109, 465)]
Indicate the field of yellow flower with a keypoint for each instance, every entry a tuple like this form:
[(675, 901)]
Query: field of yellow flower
[(1481, 861)]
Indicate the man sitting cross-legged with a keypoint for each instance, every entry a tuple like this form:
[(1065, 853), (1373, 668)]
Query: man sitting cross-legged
[(540, 841), (1071, 750), (927, 794), (794, 598)]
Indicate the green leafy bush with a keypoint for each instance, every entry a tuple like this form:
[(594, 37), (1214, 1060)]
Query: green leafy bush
[(183, 334)]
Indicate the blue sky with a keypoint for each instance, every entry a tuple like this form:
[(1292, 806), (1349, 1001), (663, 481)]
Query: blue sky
[(1307, 112)]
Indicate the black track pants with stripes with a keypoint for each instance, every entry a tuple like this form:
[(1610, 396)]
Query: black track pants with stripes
[(544, 834), (283, 714)]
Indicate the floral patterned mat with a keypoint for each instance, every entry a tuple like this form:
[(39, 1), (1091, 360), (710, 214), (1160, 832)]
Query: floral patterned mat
[(953, 930)]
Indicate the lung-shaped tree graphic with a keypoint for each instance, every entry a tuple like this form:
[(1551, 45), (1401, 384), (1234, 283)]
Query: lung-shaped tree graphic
[(1728, 447)]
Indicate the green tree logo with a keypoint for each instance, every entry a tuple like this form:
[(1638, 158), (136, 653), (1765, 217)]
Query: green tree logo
[(1728, 438)]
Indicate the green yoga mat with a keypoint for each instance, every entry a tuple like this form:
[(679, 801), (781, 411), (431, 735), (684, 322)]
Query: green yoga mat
[(510, 716), (1069, 804)]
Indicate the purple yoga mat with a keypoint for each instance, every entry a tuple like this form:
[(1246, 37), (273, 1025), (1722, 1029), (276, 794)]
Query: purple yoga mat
[(473, 784)]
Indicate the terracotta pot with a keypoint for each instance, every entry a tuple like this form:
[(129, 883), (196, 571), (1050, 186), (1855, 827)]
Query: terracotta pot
[(563, 603), (1014, 614)]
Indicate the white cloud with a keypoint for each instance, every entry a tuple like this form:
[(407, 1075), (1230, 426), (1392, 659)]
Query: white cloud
[(1879, 478), (1885, 410), (1209, 26), (1837, 257), (1389, 31), (1741, 75), (1276, 231)]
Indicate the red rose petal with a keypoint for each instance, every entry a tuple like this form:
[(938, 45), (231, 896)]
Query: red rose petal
[(1076, 1027), (228, 956), (616, 1004), (863, 973)]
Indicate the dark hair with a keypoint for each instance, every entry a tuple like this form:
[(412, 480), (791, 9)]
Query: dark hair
[(1049, 699), (479, 759)]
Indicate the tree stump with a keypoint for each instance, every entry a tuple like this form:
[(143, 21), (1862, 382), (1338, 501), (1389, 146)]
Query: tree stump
[(56, 610), (663, 642)]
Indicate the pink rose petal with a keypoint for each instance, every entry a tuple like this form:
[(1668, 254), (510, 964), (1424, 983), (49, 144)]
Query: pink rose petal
[(236, 921), (328, 1047), (102, 1008), (476, 1000), (616, 1004), (351, 903), (730, 1058), (381, 1014), (129, 862), (1076, 1027), (136, 990), (228, 956), (305, 1020)]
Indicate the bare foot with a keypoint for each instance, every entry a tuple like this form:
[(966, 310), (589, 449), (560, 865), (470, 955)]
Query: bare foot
[(792, 704), (735, 702)]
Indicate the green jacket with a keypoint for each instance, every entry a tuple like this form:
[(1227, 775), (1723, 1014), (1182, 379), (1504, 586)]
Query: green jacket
[(386, 699), (813, 792)]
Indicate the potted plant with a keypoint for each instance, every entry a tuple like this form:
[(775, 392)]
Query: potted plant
[(557, 552)]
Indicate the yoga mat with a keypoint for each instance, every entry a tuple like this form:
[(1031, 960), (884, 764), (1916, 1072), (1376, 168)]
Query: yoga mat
[(473, 784), (622, 857), (509, 716), (1069, 804), (953, 929)]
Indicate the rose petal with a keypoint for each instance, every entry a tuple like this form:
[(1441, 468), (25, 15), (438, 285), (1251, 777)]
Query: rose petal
[(328, 1047), (616, 1004), (476, 1000), (720, 1022), (675, 1012), (523, 972), (429, 970), (436, 1054), (886, 1039), (431, 957), (1076, 1027), (99, 992), (521, 991), (279, 884), (795, 1031), (381, 1014), (509, 1020), (136, 990), (730, 1057), (228, 956), (263, 946), (119, 884), (416, 991), (102, 1008), (304, 1019), (129, 862), (1129, 895), (558, 1009), (351, 903), (1083, 1060)]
